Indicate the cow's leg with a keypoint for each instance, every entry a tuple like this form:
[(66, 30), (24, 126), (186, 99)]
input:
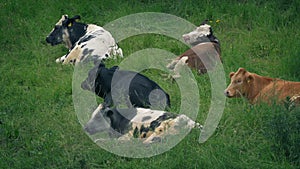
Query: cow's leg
[(176, 70), (108, 101), (171, 66), (125, 137), (152, 139), (114, 51), (99, 108), (180, 65), (73, 55), (61, 59), (120, 52), (117, 51), (294, 101)]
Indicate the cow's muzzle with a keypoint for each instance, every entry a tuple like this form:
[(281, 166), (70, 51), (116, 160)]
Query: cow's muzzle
[(227, 93), (51, 40)]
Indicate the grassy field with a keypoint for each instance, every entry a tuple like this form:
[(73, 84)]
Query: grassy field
[(38, 124)]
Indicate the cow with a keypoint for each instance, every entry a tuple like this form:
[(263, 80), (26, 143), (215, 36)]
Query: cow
[(204, 53), (125, 88), (83, 41), (148, 125), (258, 88)]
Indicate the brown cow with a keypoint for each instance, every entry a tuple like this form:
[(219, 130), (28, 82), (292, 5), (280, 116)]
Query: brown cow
[(203, 55), (257, 88)]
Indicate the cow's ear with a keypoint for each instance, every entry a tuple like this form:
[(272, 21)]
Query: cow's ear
[(249, 78), (67, 23), (65, 16), (204, 22), (76, 18), (241, 71), (231, 74), (70, 24), (109, 113), (101, 64)]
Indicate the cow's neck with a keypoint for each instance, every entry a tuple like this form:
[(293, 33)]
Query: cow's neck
[(77, 31), (258, 84)]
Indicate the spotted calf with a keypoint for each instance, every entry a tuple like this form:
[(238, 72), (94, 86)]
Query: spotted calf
[(83, 41)]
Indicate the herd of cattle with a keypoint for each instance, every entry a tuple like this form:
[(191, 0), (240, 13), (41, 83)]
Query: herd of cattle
[(144, 116)]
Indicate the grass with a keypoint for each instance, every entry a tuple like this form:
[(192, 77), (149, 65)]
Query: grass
[(38, 124)]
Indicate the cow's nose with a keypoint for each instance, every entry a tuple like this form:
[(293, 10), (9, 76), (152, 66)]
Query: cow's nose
[(48, 39), (226, 93), (84, 85), (86, 129)]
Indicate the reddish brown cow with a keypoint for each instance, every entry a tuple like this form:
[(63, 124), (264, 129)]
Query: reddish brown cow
[(258, 88), (202, 57)]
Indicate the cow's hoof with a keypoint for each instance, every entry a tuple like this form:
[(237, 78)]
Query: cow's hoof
[(58, 60)]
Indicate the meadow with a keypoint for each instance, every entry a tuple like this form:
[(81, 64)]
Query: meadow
[(38, 124)]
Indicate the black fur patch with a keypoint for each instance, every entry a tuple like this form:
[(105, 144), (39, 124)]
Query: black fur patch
[(140, 87), (154, 124), (146, 118), (136, 133), (85, 39), (77, 31), (87, 51), (82, 46)]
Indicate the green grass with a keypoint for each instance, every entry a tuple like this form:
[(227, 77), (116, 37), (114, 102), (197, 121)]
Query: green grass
[(39, 127)]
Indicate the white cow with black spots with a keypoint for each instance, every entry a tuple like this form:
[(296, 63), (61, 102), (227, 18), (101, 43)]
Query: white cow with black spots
[(145, 124), (84, 41)]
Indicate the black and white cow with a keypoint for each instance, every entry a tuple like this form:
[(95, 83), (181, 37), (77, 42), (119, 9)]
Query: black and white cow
[(204, 53), (83, 41), (146, 124), (125, 88)]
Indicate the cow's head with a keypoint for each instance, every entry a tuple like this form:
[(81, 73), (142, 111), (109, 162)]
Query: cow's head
[(240, 83), (99, 121), (90, 82), (99, 78), (203, 33), (115, 121), (67, 30)]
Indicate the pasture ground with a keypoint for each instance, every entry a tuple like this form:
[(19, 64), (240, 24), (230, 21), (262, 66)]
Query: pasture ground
[(38, 125)]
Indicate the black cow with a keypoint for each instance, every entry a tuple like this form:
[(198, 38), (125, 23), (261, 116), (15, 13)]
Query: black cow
[(121, 87)]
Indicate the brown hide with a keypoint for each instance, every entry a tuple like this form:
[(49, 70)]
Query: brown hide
[(258, 88), (208, 53)]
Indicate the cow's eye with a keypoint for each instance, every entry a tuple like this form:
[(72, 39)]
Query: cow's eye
[(238, 81)]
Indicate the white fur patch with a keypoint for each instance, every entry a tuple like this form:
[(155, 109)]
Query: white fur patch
[(201, 31), (63, 17), (152, 114), (102, 46)]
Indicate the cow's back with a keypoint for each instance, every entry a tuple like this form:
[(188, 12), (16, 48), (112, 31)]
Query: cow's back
[(203, 56), (279, 90), (136, 88), (95, 42)]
